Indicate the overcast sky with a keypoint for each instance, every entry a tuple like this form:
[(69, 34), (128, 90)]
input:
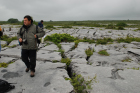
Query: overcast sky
[(65, 10)]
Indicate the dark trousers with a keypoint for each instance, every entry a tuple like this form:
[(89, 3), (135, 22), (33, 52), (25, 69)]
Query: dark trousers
[(29, 58)]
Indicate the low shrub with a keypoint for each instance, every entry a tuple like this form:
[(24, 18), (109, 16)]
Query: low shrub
[(103, 52), (121, 28), (121, 24), (49, 27), (57, 38)]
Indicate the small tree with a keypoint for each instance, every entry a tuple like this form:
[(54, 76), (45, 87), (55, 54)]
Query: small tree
[(110, 26), (12, 20), (121, 24)]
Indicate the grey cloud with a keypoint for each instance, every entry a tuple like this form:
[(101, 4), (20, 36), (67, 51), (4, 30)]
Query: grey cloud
[(70, 9)]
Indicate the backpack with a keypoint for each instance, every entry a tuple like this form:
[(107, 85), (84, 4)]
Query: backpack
[(5, 86), (38, 41)]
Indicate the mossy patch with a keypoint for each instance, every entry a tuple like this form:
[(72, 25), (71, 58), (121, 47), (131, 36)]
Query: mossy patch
[(103, 52)]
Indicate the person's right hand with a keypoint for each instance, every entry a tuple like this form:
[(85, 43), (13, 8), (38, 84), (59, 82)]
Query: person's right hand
[(20, 40)]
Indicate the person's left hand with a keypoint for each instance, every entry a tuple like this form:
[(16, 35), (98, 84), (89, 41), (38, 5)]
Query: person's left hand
[(35, 36)]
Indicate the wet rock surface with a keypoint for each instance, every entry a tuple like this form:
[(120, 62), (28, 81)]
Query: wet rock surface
[(117, 73)]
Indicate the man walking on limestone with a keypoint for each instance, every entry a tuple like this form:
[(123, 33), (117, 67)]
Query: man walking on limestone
[(27, 36)]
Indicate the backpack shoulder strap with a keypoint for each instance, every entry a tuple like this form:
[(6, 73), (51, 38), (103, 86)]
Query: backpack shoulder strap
[(21, 30), (36, 28)]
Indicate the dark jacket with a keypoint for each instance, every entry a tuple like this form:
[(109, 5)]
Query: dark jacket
[(40, 25), (27, 33)]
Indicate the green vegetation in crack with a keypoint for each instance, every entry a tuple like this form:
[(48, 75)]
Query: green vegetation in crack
[(62, 52), (59, 46), (8, 39), (104, 41), (134, 68), (47, 44), (66, 60), (5, 64), (80, 84), (3, 45), (86, 40), (109, 32), (127, 59), (103, 52), (128, 39), (91, 28), (55, 61), (89, 52), (12, 46)]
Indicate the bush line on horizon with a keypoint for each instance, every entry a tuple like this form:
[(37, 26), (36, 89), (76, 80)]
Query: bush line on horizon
[(87, 23)]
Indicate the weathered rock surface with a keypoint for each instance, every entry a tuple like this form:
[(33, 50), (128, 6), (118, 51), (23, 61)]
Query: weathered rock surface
[(49, 78), (7, 59), (48, 55), (117, 73), (14, 42), (51, 47)]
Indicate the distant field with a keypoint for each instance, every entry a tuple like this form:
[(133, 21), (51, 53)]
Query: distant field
[(98, 23)]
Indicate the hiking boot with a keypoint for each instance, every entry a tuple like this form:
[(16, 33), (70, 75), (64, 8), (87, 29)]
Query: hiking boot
[(32, 74), (27, 70)]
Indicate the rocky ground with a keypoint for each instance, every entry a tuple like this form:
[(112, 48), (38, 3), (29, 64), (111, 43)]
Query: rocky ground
[(112, 74)]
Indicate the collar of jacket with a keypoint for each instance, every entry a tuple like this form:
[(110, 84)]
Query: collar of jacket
[(26, 27)]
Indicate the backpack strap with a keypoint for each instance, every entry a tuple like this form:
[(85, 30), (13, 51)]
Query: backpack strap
[(21, 30), (36, 28), (21, 34)]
